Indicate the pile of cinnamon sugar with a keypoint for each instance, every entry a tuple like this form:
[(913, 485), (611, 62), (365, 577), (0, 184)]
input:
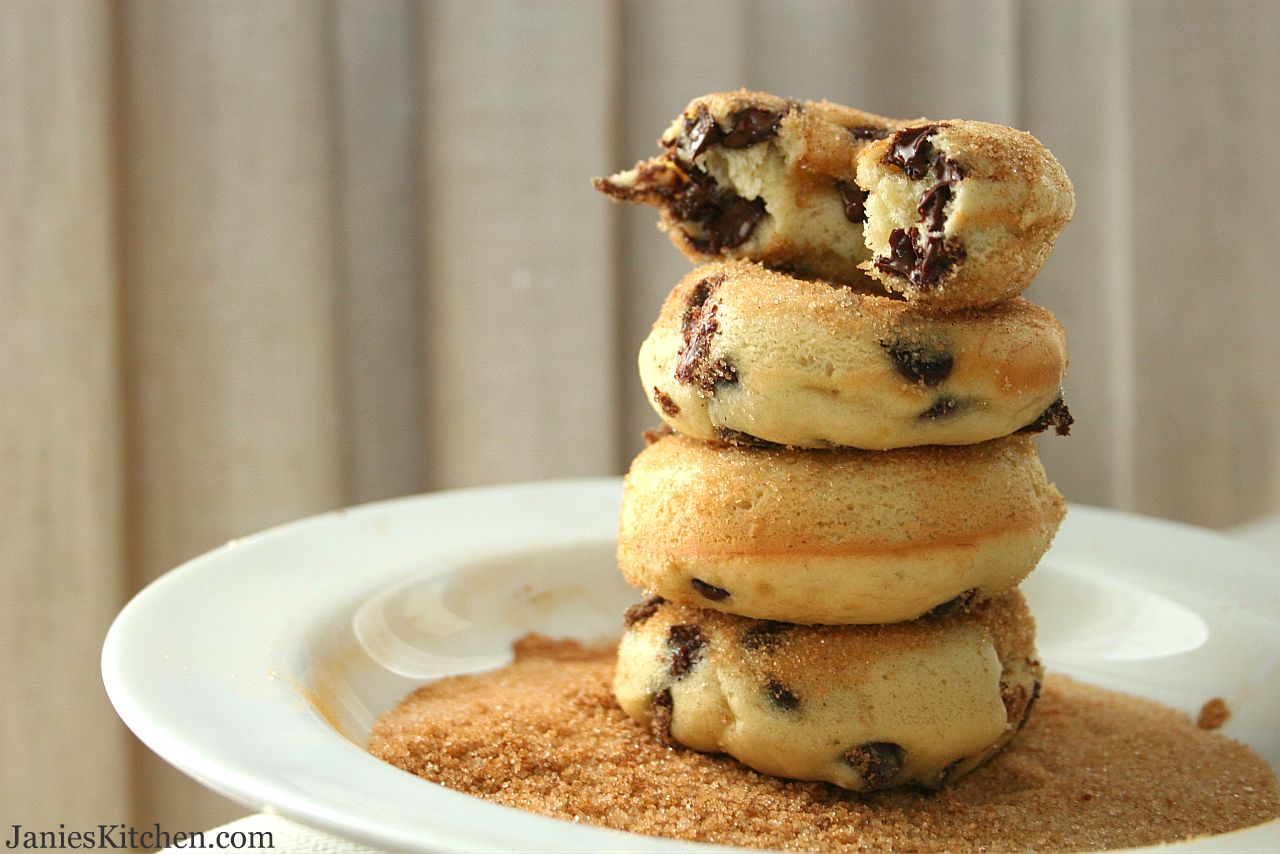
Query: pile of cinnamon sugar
[(1092, 770)]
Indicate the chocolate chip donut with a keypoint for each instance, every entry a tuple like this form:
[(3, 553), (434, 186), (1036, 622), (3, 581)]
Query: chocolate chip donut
[(960, 213), (742, 353), (751, 175), (863, 707), (835, 536), (950, 214)]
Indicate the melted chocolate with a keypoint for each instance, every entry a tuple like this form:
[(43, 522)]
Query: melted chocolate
[(1056, 416), (854, 199), (685, 642), (663, 707), (867, 133), (641, 611), (923, 261), (664, 401), (1026, 711), (932, 208), (911, 151), (952, 606), (701, 131), (726, 218), (743, 440), (709, 591), (781, 696), (750, 126), (764, 635), (922, 254), (877, 762), (920, 364), (943, 407), (694, 365), (655, 434)]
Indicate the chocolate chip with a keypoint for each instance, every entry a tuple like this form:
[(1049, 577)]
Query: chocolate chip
[(943, 407), (726, 218), (781, 696), (911, 151), (656, 434), (869, 132), (764, 635), (931, 207), (1014, 698), (695, 199), (663, 709), (854, 199), (685, 642), (923, 257), (877, 762), (641, 611), (698, 296), (701, 131), (744, 440), (710, 591), (736, 221), (919, 363), (947, 169), (1026, 710), (1056, 416), (922, 261), (944, 776), (694, 365), (952, 606), (664, 401), (903, 258), (750, 126)]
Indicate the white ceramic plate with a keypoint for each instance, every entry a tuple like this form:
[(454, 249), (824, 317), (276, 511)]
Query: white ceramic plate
[(258, 668)]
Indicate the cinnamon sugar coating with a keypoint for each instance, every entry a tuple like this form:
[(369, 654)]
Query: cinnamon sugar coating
[(1093, 769)]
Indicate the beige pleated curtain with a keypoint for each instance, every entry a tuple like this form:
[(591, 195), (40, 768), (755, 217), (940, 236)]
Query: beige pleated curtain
[(264, 259)]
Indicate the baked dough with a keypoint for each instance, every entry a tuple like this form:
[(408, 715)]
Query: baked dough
[(750, 175), (960, 213), (740, 352), (949, 214), (866, 708), (836, 536)]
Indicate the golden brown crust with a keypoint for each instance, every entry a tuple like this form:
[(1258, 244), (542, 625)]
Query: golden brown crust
[(836, 537)]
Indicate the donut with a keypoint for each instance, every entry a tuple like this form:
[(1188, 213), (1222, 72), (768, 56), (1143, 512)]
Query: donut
[(834, 536), (864, 707), (750, 175), (948, 214), (960, 213), (743, 353)]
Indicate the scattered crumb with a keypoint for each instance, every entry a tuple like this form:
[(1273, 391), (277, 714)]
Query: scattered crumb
[(1213, 714), (1093, 769)]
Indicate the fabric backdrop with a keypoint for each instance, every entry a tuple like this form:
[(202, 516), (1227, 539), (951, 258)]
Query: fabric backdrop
[(264, 259)]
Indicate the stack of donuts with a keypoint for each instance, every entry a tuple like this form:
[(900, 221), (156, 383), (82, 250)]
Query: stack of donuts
[(832, 525)]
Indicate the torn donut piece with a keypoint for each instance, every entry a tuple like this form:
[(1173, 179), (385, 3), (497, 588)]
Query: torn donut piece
[(862, 707), (961, 214), (750, 175)]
